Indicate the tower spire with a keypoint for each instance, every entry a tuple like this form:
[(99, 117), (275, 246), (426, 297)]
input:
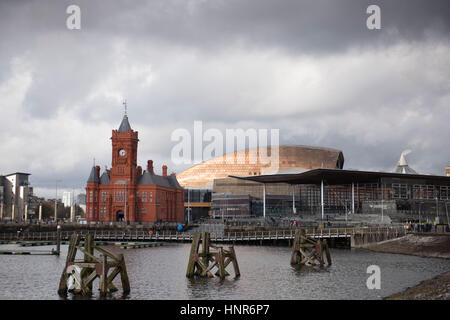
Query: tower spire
[(125, 125)]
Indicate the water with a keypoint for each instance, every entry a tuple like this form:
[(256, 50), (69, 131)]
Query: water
[(159, 273)]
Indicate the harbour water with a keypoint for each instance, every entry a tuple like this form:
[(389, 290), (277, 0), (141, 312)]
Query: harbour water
[(159, 273)]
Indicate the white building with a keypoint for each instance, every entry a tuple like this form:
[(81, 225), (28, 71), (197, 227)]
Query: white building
[(16, 194), (68, 198)]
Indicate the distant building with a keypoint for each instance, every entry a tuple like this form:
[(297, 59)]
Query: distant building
[(81, 199), (291, 159), (68, 198), (16, 196), (125, 193), (447, 171), (402, 165), (210, 191)]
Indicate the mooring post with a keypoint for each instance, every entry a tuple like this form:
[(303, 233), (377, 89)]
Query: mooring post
[(294, 255), (89, 248), (72, 252), (58, 239), (221, 263), (124, 275), (321, 247), (194, 250), (327, 252), (205, 248), (201, 263), (237, 272), (308, 250), (104, 276)]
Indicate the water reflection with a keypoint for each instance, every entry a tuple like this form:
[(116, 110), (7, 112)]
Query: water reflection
[(266, 273)]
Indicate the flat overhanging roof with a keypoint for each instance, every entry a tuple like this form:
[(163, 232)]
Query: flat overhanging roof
[(340, 176)]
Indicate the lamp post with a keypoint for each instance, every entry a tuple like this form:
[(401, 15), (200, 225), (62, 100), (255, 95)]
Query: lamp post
[(58, 238), (189, 207), (437, 208), (125, 213), (56, 200)]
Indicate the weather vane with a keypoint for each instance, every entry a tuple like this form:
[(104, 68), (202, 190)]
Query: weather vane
[(125, 105)]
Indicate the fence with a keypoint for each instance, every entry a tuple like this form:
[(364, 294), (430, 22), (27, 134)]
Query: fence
[(168, 235)]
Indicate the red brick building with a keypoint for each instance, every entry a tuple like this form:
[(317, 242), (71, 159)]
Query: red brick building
[(126, 193)]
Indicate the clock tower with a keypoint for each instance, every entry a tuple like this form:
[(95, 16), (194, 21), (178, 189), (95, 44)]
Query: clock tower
[(125, 193), (124, 154)]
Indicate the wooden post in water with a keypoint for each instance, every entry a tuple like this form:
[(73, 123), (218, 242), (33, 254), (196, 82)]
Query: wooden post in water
[(308, 250), (201, 262), (104, 276), (74, 241), (124, 275), (92, 267), (234, 261), (89, 247)]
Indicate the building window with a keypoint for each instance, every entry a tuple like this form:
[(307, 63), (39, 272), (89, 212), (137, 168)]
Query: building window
[(119, 196), (399, 191), (143, 210), (445, 193), (151, 196), (103, 212), (144, 196), (104, 196), (90, 196)]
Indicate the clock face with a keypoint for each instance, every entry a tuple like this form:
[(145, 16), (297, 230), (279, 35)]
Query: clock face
[(122, 153)]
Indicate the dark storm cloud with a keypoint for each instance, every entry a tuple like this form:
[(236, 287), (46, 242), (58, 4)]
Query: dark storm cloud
[(292, 24), (310, 68)]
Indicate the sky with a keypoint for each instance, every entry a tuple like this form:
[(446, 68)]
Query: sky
[(311, 69)]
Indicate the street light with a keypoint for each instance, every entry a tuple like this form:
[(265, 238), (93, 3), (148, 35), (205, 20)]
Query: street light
[(56, 200)]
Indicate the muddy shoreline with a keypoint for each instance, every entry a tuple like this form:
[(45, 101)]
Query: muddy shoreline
[(431, 245)]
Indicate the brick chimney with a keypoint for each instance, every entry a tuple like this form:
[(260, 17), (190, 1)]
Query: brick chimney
[(150, 166), (164, 170), (97, 168), (139, 171)]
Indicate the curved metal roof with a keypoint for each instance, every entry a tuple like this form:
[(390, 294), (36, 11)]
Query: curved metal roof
[(290, 158), (340, 176)]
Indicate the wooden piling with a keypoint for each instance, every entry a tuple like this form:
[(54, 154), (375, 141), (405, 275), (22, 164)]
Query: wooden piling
[(89, 247), (74, 241), (124, 275), (93, 267), (234, 261), (309, 251), (201, 262), (104, 276), (192, 256)]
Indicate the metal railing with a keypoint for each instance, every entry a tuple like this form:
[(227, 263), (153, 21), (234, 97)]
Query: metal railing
[(167, 235)]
